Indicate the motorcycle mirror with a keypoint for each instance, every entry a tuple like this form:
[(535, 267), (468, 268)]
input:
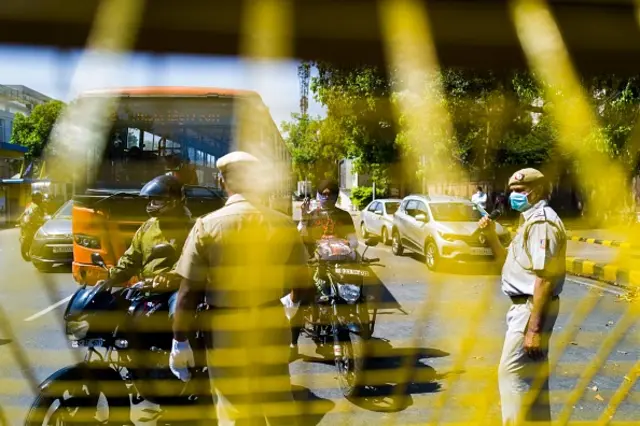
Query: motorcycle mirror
[(372, 241), (97, 260), (162, 251)]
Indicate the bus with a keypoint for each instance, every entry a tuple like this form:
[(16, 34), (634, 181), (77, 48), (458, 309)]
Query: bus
[(148, 131)]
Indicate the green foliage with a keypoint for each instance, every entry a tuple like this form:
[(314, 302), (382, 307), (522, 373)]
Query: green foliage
[(500, 121), (35, 130), (359, 114), (314, 147), (361, 196)]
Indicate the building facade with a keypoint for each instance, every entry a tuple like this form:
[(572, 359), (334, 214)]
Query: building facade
[(16, 99)]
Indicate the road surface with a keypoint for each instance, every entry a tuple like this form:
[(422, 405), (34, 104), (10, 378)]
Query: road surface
[(428, 314)]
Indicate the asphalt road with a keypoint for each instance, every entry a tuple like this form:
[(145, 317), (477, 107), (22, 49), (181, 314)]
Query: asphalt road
[(453, 321)]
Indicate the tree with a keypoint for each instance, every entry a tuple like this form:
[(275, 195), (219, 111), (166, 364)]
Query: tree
[(314, 149), (359, 116), (34, 131)]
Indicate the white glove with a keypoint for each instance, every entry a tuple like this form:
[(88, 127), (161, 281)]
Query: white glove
[(181, 359), (290, 308)]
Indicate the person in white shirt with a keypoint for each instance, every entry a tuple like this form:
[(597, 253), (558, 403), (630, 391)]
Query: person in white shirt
[(480, 198)]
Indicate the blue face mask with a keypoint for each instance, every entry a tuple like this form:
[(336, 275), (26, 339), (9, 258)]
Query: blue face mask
[(326, 201), (519, 201)]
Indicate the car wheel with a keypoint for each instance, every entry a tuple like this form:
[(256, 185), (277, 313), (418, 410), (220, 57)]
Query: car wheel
[(432, 258), (396, 244), (363, 231), (385, 236)]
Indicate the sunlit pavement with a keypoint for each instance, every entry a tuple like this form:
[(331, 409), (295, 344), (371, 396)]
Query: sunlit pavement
[(451, 298)]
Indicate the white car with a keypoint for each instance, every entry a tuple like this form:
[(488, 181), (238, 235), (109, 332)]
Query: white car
[(442, 228), (377, 218)]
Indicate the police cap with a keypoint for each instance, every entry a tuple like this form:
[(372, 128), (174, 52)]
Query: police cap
[(526, 177), (235, 158)]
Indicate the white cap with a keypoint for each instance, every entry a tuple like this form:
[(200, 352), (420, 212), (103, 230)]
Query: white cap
[(234, 158)]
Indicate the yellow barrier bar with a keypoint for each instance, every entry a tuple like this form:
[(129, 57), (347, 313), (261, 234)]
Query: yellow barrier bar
[(587, 267)]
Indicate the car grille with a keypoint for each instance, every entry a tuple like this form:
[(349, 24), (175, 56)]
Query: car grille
[(472, 241), (45, 251)]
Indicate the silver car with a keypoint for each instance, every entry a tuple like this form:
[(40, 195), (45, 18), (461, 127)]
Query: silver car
[(442, 228), (377, 218)]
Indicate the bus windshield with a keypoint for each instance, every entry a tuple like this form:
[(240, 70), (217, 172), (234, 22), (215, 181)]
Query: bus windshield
[(150, 136)]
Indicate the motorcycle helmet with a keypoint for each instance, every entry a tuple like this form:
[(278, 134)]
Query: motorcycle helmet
[(164, 192)]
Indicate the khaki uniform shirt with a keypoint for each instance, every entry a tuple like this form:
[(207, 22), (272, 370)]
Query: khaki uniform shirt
[(538, 249), (248, 255)]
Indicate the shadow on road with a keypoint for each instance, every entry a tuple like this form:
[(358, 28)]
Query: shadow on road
[(313, 407), (395, 374), (392, 375), (4, 342), (378, 295), (462, 268)]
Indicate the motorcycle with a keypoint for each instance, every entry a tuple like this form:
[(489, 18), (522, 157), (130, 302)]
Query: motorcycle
[(127, 333), (339, 319), (27, 233)]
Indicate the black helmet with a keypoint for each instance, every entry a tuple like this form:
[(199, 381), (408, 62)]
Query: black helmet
[(165, 192)]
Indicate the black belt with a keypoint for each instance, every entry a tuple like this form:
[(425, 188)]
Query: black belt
[(522, 299)]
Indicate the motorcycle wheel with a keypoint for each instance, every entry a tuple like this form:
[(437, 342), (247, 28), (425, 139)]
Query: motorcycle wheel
[(350, 365), (72, 403)]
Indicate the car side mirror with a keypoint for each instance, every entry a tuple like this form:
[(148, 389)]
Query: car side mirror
[(97, 260), (162, 251), (378, 212), (421, 217), (372, 241)]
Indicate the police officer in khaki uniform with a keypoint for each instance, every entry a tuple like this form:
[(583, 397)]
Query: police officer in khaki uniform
[(245, 257), (532, 276)]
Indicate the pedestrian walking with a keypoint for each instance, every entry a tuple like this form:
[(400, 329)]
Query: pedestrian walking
[(245, 257), (532, 276)]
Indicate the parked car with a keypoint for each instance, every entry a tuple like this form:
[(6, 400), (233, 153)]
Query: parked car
[(442, 228), (377, 218), (53, 243)]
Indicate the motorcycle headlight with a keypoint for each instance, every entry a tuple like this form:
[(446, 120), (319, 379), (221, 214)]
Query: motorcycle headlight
[(77, 330), (349, 292)]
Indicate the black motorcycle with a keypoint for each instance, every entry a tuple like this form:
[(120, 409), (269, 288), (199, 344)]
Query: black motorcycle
[(127, 333), (340, 317)]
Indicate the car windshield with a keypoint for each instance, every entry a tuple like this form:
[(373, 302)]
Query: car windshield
[(456, 212), (64, 212), (392, 207)]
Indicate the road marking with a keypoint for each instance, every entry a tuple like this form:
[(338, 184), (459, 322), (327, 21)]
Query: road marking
[(604, 288), (49, 309)]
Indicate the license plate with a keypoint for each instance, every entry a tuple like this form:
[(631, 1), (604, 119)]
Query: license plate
[(481, 251), (90, 343), (63, 249), (352, 272)]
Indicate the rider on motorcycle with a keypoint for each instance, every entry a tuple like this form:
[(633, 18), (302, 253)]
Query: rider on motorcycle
[(325, 221), (34, 215), (170, 223)]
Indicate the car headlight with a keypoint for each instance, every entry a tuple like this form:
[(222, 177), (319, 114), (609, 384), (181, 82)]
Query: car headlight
[(349, 292), (87, 241), (41, 234), (77, 330), (447, 237)]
